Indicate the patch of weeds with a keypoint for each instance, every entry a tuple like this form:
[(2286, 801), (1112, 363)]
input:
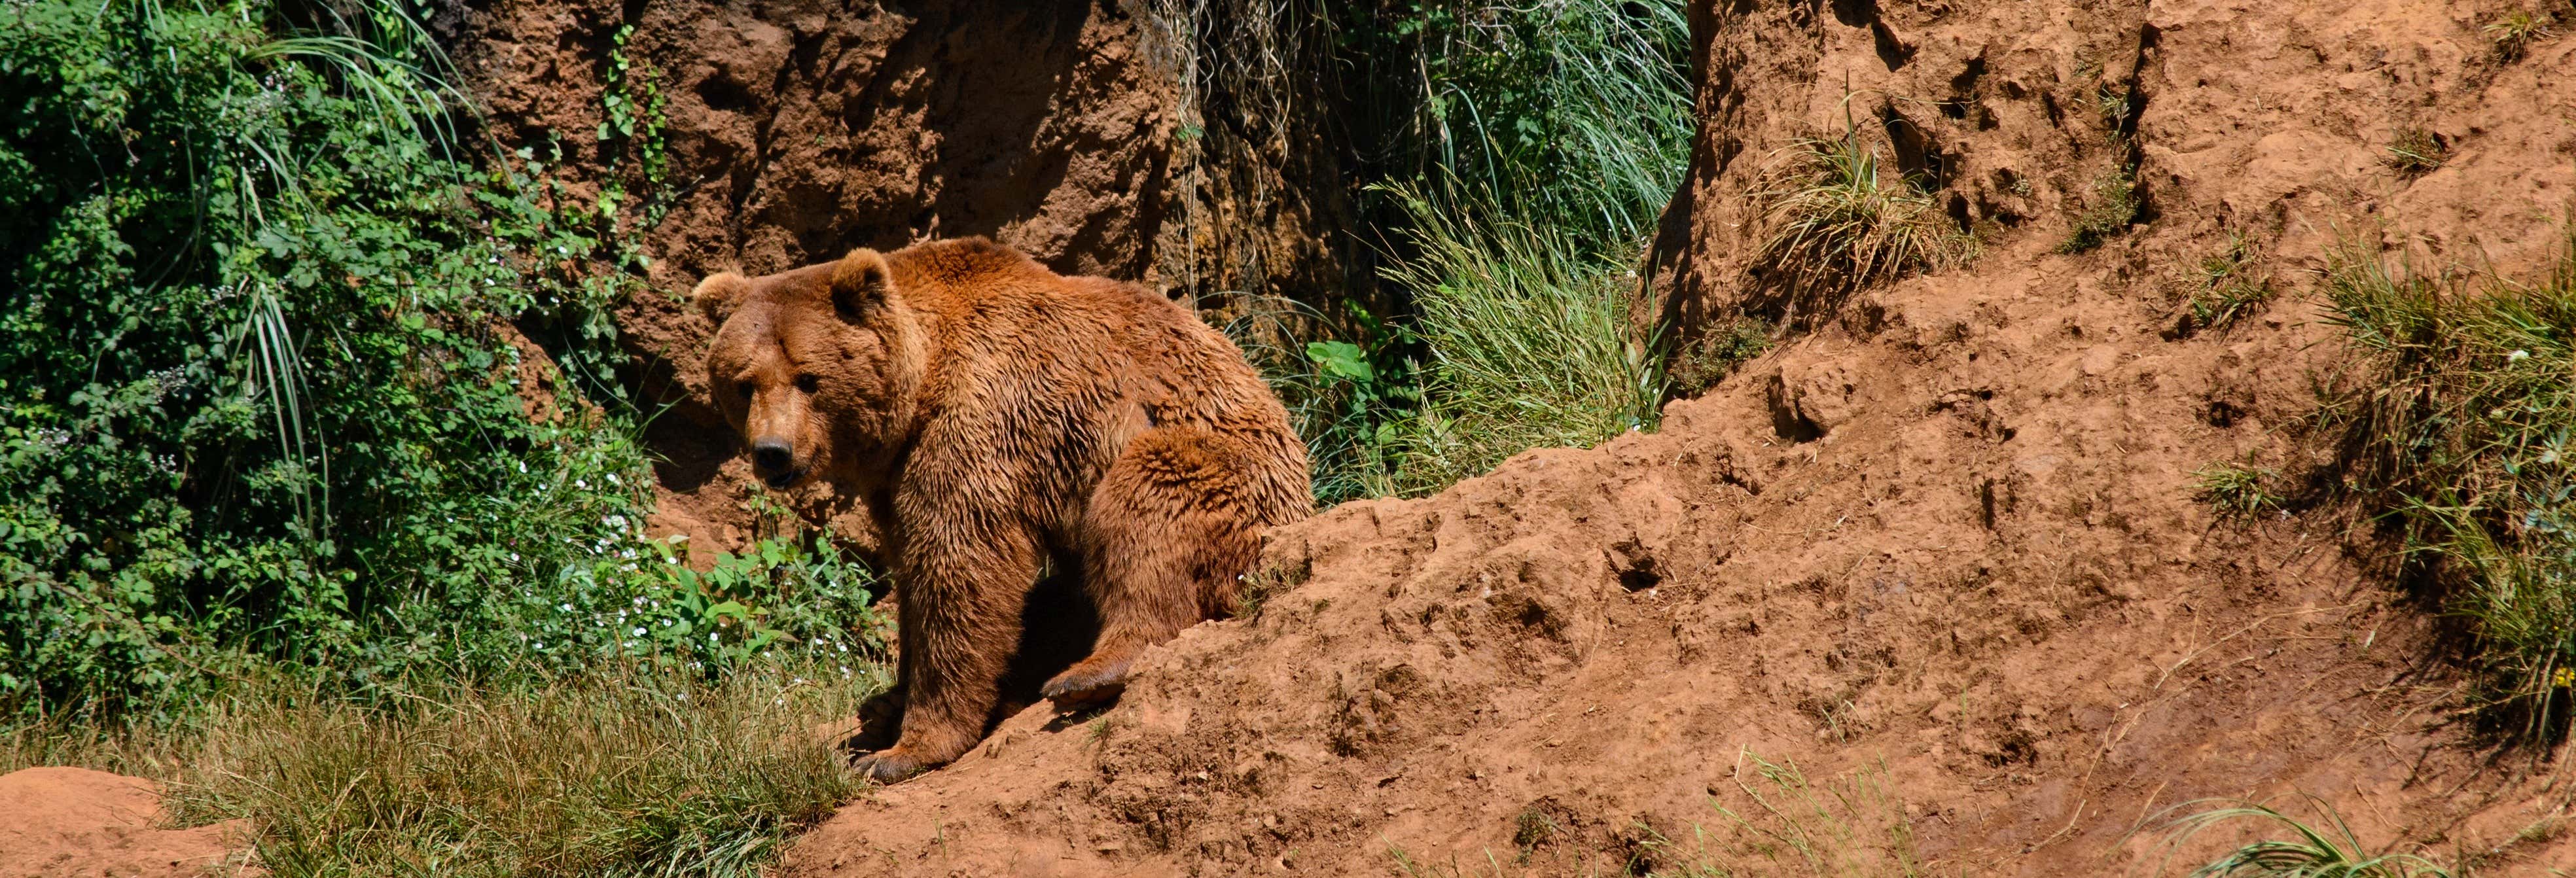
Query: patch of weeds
[(2109, 210), (2239, 491), (2458, 429), (2232, 284), (1785, 824), (2416, 151), (1532, 828), (2513, 33), (1258, 588), (2310, 851), (1840, 222), (1717, 354)]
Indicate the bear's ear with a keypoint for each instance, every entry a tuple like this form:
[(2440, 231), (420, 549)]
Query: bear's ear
[(861, 284), (719, 293)]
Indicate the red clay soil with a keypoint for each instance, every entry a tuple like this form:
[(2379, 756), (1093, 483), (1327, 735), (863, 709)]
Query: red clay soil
[(1951, 539), (79, 823)]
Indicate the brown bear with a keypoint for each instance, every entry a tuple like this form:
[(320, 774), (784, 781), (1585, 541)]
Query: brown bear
[(996, 418)]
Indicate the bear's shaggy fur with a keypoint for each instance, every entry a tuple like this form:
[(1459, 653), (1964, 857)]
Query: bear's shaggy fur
[(995, 417)]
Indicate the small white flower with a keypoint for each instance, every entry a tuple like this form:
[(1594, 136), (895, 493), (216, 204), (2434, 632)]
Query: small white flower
[(565, 608), (639, 631), (711, 637), (2517, 356)]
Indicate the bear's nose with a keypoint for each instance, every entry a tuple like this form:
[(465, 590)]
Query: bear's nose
[(772, 454)]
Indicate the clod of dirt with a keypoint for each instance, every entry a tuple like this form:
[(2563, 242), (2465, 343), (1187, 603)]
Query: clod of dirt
[(79, 823)]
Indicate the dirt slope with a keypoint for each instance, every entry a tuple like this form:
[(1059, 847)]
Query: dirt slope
[(78, 823), (1951, 533)]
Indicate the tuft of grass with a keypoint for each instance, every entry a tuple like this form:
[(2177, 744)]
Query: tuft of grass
[(2237, 490), (1841, 223), (2311, 852), (2108, 211), (2232, 285), (1529, 343), (2415, 152), (2458, 431), (630, 770), (2513, 33)]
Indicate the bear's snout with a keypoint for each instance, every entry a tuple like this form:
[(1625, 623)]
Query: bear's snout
[(774, 459)]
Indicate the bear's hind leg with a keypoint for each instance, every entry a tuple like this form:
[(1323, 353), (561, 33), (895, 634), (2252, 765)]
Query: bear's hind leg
[(1165, 539)]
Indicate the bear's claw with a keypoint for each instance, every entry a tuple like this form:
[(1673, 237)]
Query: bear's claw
[(888, 765)]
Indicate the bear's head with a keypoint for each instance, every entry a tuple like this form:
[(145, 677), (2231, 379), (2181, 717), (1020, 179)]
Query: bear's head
[(818, 369)]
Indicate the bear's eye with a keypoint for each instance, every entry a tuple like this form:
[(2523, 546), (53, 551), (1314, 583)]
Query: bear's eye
[(743, 389), (806, 383)]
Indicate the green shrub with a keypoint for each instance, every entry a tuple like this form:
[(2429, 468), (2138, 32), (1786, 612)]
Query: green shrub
[(2415, 151), (2239, 490), (258, 393), (2457, 429)]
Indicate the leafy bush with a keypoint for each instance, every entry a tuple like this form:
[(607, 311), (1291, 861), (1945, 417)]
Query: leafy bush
[(261, 393), (2457, 430)]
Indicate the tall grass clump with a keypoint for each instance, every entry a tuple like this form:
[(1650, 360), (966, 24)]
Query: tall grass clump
[(1529, 343), (1570, 113), (1842, 222), (1514, 156), (2457, 431)]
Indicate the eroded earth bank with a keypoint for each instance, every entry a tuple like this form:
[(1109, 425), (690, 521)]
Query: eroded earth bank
[(1946, 545)]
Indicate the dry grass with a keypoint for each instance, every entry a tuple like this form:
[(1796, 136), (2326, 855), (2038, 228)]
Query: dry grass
[(1841, 222), (633, 770)]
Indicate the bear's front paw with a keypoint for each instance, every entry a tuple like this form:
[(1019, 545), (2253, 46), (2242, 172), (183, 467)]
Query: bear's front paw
[(889, 765), (1086, 685)]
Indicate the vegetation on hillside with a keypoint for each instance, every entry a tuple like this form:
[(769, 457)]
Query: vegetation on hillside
[(1514, 156), (2457, 432), (312, 474)]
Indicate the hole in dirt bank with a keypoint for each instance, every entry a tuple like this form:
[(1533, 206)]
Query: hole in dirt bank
[(1785, 418)]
